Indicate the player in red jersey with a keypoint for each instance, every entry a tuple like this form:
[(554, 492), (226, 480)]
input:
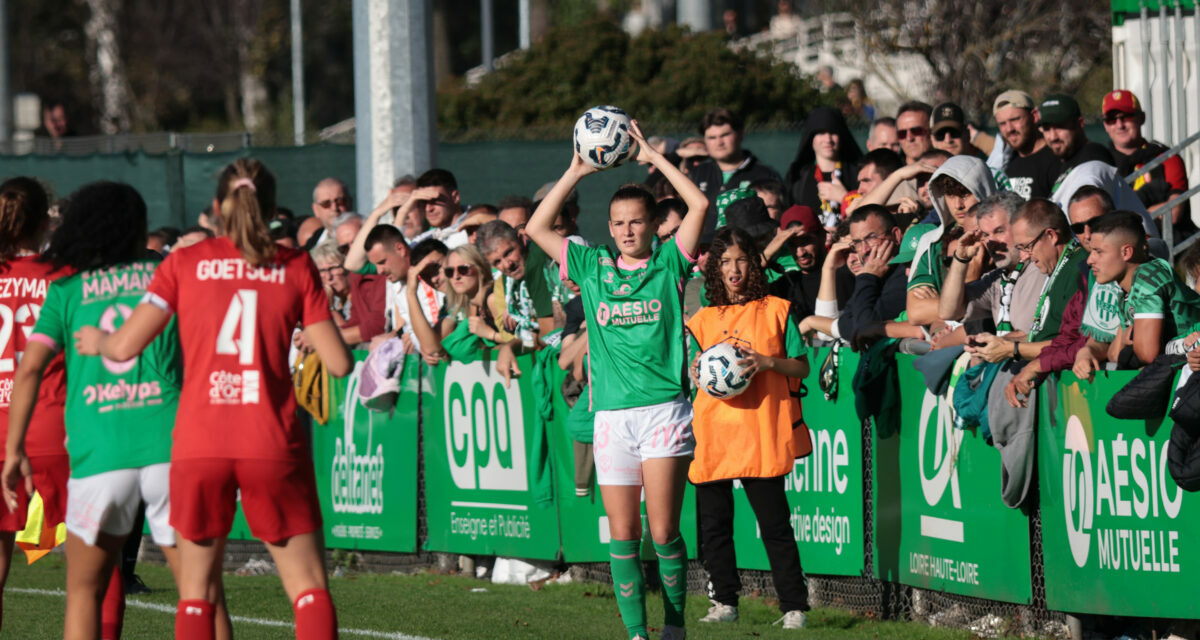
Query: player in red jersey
[(238, 297), (24, 220)]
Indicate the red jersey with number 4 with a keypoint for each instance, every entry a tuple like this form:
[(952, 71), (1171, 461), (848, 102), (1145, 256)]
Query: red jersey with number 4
[(23, 284), (235, 327)]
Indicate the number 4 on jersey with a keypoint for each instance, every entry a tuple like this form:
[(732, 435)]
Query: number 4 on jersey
[(239, 319)]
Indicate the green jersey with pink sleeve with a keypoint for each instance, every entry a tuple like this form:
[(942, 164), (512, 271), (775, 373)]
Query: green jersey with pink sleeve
[(636, 346)]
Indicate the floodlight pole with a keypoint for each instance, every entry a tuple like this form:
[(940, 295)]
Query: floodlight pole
[(394, 98), (297, 74)]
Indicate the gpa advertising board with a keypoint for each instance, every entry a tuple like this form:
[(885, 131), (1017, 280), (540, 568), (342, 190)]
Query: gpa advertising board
[(487, 489), (1118, 533)]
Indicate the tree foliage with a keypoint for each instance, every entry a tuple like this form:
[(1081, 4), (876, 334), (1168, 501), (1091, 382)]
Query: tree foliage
[(664, 76), (978, 49)]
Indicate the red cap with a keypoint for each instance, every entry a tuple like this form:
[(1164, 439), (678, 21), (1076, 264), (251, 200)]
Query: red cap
[(1121, 100), (802, 215)]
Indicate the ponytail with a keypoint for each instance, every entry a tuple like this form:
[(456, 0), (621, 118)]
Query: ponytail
[(246, 191), (24, 213)]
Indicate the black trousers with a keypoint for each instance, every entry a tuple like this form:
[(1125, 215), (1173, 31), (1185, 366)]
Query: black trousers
[(714, 503)]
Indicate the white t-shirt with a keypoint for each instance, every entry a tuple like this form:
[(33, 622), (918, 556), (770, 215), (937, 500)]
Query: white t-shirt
[(431, 299)]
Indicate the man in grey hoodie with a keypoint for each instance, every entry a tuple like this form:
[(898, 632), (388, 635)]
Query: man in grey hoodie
[(959, 184)]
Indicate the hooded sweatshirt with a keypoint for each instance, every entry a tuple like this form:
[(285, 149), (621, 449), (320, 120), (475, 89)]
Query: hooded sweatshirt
[(970, 172), (1103, 175), (801, 178)]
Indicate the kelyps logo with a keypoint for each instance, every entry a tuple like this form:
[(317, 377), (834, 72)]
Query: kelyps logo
[(485, 429)]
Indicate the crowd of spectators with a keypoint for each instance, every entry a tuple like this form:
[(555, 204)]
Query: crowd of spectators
[(1028, 250)]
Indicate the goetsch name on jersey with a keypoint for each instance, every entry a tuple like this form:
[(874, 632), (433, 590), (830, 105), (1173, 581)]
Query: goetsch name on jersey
[(237, 269)]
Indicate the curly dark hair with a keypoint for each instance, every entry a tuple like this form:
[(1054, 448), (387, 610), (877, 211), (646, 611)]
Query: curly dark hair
[(103, 225), (24, 214), (756, 281)]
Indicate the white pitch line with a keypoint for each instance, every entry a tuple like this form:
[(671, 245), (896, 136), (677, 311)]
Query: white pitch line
[(263, 622)]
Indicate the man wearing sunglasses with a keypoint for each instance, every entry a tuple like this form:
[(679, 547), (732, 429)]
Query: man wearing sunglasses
[(912, 128), (1092, 313), (948, 125), (1123, 120), (330, 200)]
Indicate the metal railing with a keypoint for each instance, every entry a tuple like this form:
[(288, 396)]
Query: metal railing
[(1168, 223)]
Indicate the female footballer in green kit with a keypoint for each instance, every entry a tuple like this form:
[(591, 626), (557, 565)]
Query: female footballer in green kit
[(643, 437)]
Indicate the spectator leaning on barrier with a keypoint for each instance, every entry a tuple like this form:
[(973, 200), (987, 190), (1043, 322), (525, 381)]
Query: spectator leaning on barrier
[(827, 306), (388, 253), (426, 258), (1158, 307), (1093, 311), (530, 308), (729, 166), (330, 200), (1006, 295), (959, 184), (1032, 166), (878, 296), (463, 326), (1042, 237), (825, 168), (1123, 120)]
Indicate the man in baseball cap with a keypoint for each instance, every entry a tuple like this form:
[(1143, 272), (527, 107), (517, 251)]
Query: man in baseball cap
[(1033, 167), (804, 245), (948, 125), (1123, 120), (1062, 126)]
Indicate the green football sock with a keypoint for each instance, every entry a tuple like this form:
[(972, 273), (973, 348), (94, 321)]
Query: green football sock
[(672, 568), (629, 584)]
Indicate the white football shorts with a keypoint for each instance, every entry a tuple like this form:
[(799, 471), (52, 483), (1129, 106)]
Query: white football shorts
[(624, 438)]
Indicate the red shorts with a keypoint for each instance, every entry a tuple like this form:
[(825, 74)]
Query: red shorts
[(279, 498), (50, 474)]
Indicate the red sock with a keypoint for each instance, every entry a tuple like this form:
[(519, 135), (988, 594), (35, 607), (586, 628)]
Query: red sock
[(194, 620), (112, 610), (315, 616)]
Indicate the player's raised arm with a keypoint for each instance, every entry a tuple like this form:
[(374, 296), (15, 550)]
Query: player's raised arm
[(539, 225), (688, 235)]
